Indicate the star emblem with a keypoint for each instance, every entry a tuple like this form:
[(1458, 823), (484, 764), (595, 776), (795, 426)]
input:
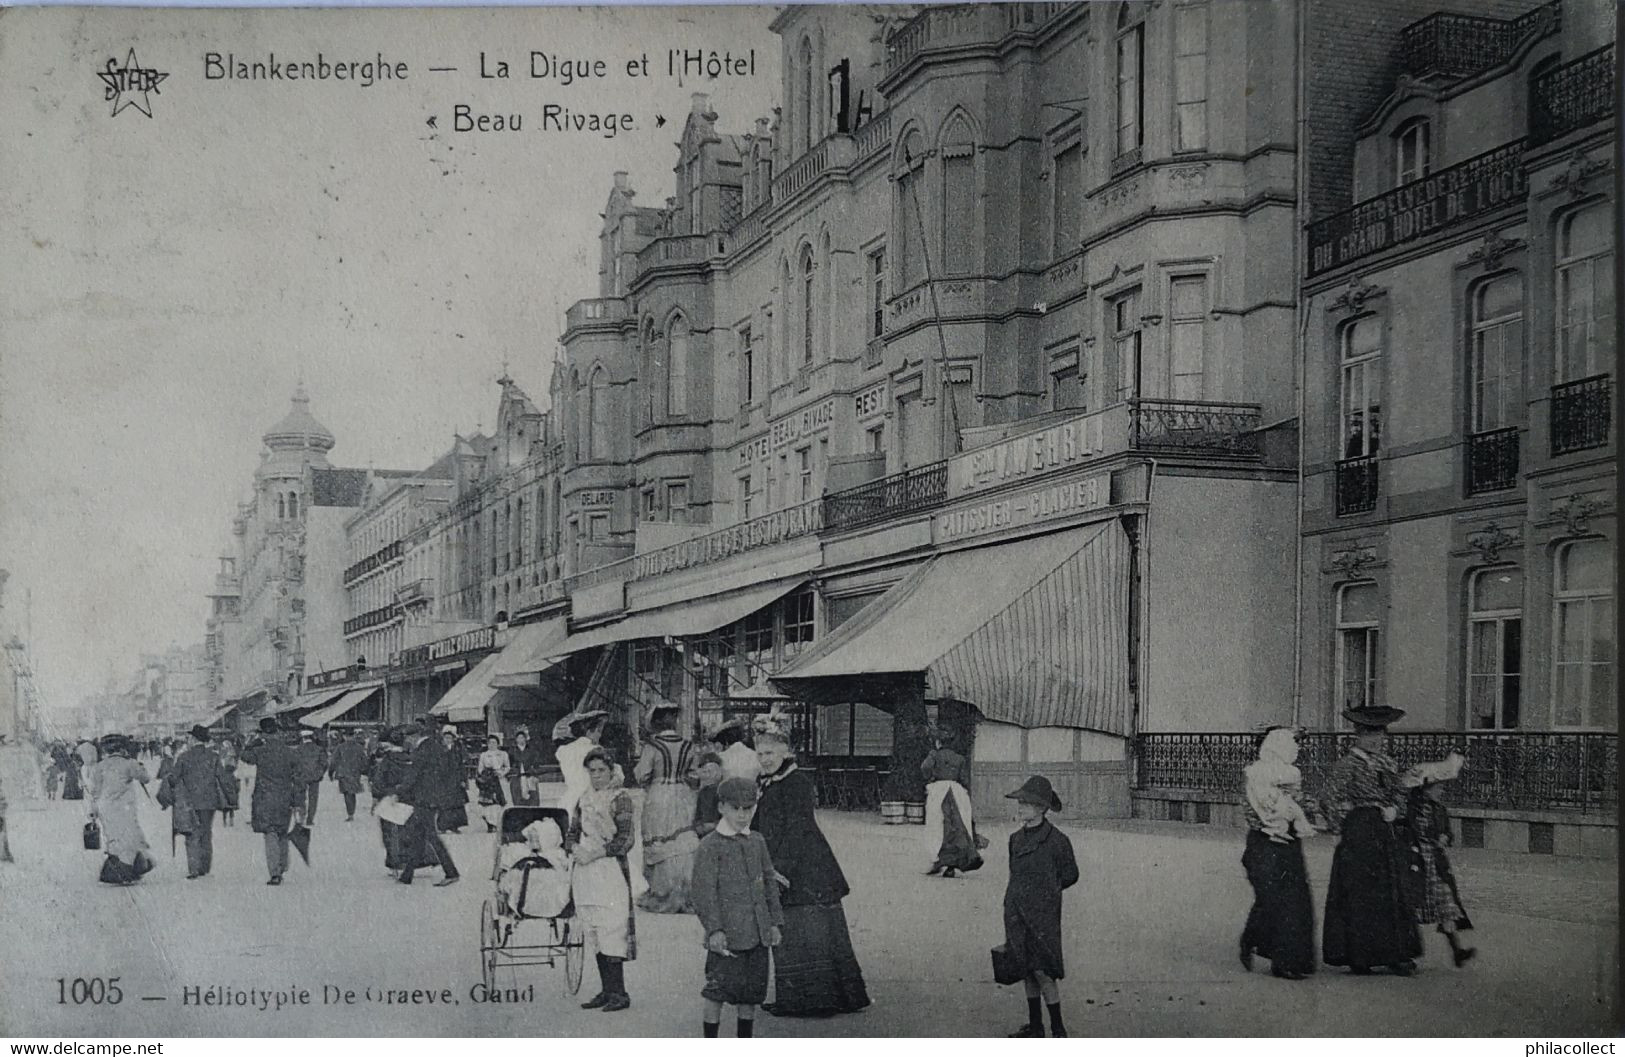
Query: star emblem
[(130, 85)]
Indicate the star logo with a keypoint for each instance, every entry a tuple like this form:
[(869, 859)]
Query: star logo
[(130, 85)]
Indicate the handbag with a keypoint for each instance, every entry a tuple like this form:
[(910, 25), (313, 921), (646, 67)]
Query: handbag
[(1006, 970), (93, 835)]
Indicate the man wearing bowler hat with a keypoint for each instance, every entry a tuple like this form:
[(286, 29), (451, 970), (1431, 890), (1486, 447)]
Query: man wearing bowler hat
[(279, 794), (198, 774), (1041, 867)]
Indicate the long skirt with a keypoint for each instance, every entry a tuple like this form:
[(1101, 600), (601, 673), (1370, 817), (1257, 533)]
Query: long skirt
[(72, 786), (815, 970), (1281, 925), (603, 895), (948, 822), (669, 844), (395, 849), (1368, 919)]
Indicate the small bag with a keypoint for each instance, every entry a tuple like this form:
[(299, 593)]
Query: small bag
[(1006, 970), (93, 836)]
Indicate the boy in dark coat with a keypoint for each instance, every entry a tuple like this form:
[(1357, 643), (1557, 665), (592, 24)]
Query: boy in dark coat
[(197, 773), (1041, 867), (279, 791), (735, 893)]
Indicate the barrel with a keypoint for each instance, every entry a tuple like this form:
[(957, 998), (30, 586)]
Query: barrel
[(891, 812), (915, 814)]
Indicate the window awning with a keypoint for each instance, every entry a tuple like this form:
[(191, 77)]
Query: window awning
[(525, 660), (310, 701), (348, 700), (686, 618), (1033, 632), (466, 701)]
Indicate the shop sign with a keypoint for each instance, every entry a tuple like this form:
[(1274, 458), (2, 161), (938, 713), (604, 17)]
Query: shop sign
[(468, 642), (1027, 456), (871, 403), (754, 451), (597, 498), (807, 421), (763, 531), (1032, 507), (331, 677)]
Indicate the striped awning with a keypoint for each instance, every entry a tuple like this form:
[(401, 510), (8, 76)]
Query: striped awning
[(1033, 632), (535, 649), (306, 702), (346, 702), (466, 701)]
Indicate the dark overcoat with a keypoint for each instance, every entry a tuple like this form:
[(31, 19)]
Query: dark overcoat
[(784, 816), (197, 771), (349, 761), (434, 778), (312, 761), (1041, 868), (279, 784)]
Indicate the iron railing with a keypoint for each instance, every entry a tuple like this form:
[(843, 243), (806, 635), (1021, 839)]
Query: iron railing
[(793, 522), (371, 619), (1582, 411), (380, 557), (1492, 460), (1520, 771), (1195, 427), (1357, 485), (1461, 45), (910, 492), (1572, 96)]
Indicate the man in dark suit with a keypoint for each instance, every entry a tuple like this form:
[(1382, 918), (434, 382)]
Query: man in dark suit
[(313, 760), (279, 794), (197, 777), (349, 763), (434, 782)]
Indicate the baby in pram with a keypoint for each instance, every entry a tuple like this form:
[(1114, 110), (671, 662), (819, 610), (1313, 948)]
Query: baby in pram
[(534, 877)]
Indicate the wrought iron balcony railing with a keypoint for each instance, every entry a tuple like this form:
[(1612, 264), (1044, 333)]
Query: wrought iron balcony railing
[(1526, 771), (1492, 460), (1581, 414), (371, 619), (1194, 427), (377, 559), (1357, 485), (910, 492), (1572, 96), (1461, 45)]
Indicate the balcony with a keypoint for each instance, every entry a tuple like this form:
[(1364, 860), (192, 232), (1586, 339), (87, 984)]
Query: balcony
[(803, 519), (834, 151), (1357, 485), (674, 249), (899, 495), (416, 592), (371, 619), (376, 560), (1534, 771), (965, 25), (595, 310), (1195, 427), (1461, 45), (1582, 412), (1492, 460), (1572, 96)]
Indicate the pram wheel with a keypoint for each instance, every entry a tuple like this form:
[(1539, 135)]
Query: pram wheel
[(575, 953), (489, 943)]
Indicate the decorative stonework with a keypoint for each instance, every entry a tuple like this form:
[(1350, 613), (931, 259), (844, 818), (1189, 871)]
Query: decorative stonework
[(1581, 168), (1352, 561), (1188, 176), (1491, 540), (1353, 299), (1577, 511), (1494, 250)]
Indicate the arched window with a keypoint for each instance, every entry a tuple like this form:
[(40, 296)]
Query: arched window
[(1361, 354), (1497, 354), (958, 201), (599, 429), (1583, 622), (1130, 80), (1495, 648), (281, 506), (677, 368), (1412, 150), (908, 216), (293, 504), (1585, 293), (808, 93), (807, 301)]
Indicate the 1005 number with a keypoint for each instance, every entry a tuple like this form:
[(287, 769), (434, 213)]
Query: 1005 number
[(92, 992)]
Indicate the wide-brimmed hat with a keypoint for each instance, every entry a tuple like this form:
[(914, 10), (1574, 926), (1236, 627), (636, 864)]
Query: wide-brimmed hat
[(1445, 770), (200, 732), (1373, 717), (268, 725), (661, 706), (1037, 790), (582, 719)]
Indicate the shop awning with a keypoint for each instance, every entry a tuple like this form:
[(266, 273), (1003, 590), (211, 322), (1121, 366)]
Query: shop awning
[(535, 649), (466, 701), (308, 701), (348, 699), (1033, 632), (686, 618), (218, 714)]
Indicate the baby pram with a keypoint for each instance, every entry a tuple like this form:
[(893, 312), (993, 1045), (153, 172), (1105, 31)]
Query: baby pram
[(529, 918)]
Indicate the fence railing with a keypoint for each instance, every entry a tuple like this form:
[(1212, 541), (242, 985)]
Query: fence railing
[(1582, 411), (1572, 96), (959, 24), (1460, 45), (1194, 426), (1357, 485), (380, 557), (914, 490), (833, 151), (1492, 460), (1524, 771), (672, 248), (372, 619)]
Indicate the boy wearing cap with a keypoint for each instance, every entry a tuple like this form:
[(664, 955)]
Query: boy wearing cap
[(736, 898), (1041, 867)]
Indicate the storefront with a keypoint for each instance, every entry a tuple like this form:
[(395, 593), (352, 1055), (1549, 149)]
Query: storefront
[(420, 676)]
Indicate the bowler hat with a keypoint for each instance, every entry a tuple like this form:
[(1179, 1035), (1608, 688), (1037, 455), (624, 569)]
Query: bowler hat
[(268, 725), (1037, 791), (200, 732), (1373, 717)]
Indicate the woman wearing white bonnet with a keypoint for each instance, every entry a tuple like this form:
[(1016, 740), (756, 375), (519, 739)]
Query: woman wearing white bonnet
[(1281, 925)]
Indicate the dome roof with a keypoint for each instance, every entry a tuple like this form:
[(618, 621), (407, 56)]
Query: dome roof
[(299, 428)]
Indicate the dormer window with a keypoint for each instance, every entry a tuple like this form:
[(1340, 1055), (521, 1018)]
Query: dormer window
[(1411, 151)]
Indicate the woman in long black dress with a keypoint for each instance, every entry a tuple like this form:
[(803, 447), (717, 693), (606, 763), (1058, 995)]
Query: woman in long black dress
[(816, 972), (1281, 925), (1368, 917)]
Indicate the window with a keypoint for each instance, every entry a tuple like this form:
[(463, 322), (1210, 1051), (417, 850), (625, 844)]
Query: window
[(914, 432), (1187, 336), (958, 208), (798, 622), (1068, 176), (1411, 151), (1584, 625), (1361, 351), (757, 632), (1494, 649), (649, 503), (747, 369), (805, 471), (598, 527), (1125, 323), (962, 405), (1497, 354), (807, 306), (877, 293), (293, 504), (694, 227), (281, 506), (876, 440), (907, 234), (507, 535), (493, 547), (805, 132), (1190, 77), (1358, 616), (1130, 90), (744, 498), (1585, 294), (677, 369), (783, 497), (677, 502), (1066, 390), (599, 444)]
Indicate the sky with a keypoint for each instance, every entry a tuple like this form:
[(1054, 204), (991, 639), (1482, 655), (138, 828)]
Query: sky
[(166, 280)]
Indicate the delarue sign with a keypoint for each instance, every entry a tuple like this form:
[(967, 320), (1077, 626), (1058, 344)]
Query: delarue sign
[(1420, 208)]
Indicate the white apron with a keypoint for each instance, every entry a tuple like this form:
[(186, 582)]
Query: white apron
[(935, 794)]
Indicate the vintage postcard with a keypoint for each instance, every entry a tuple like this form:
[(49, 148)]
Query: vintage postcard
[(976, 520)]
